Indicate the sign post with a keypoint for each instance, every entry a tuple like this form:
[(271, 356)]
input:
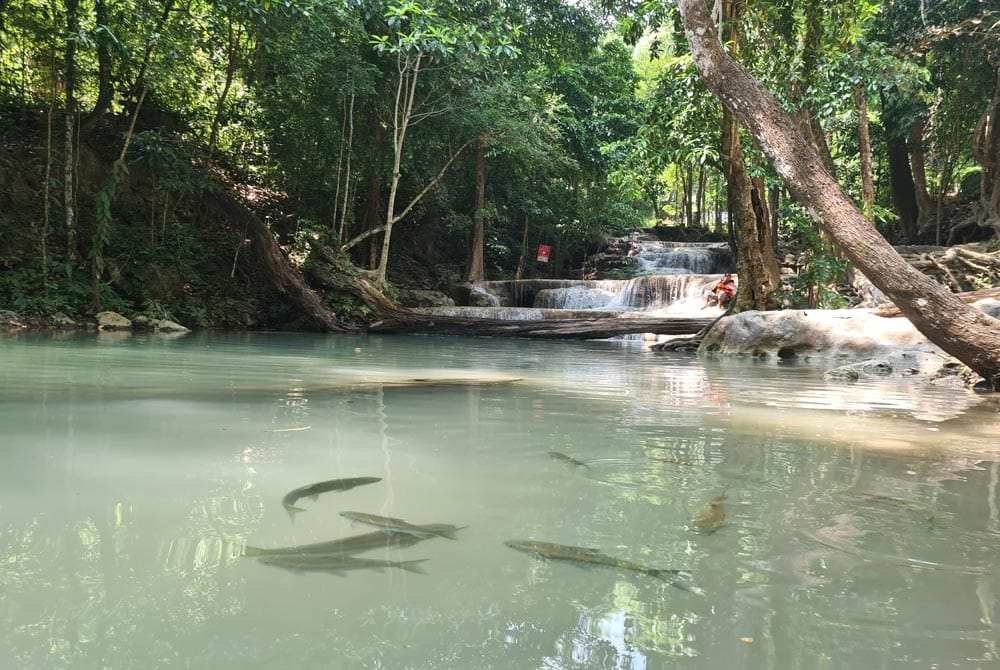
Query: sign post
[(544, 251)]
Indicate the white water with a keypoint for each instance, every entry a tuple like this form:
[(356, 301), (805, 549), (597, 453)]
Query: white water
[(672, 281)]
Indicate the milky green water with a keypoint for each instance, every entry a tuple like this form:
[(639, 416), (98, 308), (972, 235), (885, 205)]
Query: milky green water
[(861, 521)]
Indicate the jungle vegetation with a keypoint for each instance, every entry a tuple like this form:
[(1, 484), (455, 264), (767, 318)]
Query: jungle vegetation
[(427, 143)]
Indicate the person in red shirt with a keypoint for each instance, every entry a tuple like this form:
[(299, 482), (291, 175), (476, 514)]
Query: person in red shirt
[(722, 294)]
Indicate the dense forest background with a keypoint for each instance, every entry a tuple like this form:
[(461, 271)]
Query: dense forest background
[(433, 142)]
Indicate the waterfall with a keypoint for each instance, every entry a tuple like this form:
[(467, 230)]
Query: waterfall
[(675, 277)]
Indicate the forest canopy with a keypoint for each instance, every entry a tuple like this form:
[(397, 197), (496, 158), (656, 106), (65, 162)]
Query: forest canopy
[(436, 142)]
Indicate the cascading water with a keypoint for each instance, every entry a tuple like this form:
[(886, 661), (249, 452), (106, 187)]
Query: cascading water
[(656, 257), (671, 281)]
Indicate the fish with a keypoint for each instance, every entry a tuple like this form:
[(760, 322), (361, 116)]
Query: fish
[(390, 525), (345, 546), (590, 556), (313, 490), (337, 563), (709, 517), (569, 460), (672, 461)]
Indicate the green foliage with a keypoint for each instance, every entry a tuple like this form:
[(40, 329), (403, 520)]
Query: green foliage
[(814, 286)]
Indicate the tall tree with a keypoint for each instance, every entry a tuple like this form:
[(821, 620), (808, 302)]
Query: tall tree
[(961, 330)]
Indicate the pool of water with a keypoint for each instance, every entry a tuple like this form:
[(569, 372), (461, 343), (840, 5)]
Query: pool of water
[(860, 528)]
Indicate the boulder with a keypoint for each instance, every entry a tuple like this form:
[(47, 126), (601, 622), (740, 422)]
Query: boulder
[(168, 326), (867, 345), (61, 320), (424, 298), (853, 334), (112, 321)]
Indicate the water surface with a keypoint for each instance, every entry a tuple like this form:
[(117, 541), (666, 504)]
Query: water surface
[(861, 525)]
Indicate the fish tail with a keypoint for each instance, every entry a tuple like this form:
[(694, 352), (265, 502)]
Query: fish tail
[(663, 573), (253, 551), (411, 566), (690, 588), (450, 534)]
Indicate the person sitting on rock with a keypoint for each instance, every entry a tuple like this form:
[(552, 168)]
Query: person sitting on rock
[(722, 293)]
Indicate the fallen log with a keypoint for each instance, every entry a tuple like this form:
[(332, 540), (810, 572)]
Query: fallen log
[(575, 328), (328, 271), (889, 310)]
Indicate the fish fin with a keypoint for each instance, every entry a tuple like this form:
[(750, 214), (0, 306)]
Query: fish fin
[(663, 573), (314, 497), (690, 588), (411, 566), (253, 551), (292, 511), (450, 534)]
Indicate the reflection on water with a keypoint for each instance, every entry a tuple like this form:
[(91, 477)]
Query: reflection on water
[(860, 530)]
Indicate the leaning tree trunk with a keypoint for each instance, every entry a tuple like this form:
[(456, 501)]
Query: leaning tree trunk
[(284, 276), (963, 331)]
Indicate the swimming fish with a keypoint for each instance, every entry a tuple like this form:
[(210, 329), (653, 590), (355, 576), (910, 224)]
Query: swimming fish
[(569, 460), (345, 546), (709, 517), (337, 563), (313, 490), (589, 556), (391, 525)]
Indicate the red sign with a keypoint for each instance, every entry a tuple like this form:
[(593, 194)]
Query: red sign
[(544, 251)]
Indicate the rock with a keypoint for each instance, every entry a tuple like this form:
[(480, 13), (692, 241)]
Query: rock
[(904, 364), (869, 294), (142, 322), (168, 326), (424, 298), (989, 305), (852, 334), (112, 321), (61, 320)]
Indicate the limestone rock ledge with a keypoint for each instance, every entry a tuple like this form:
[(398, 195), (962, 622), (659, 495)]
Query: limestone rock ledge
[(877, 346)]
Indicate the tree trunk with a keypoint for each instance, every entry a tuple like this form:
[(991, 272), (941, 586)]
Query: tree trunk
[(756, 281), (69, 154), (476, 270), (986, 150), (865, 151), (918, 168), (232, 63), (700, 196), (284, 276), (960, 330), (524, 250), (686, 188), (901, 184), (105, 89)]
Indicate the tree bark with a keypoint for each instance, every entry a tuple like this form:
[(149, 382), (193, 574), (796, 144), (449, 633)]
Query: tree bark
[(105, 89), (960, 330), (285, 278), (986, 150), (476, 269), (865, 151), (756, 282), (756, 266), (69, 154), (918, 168), (901, 184)]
